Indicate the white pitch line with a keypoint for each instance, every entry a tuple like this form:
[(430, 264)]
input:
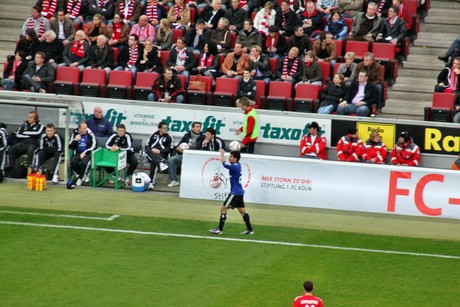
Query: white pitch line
[(110, 218), (163, 234)]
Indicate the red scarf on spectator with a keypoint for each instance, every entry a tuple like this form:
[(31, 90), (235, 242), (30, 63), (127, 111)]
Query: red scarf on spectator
[(205, 62), (264, 23), (380, 7), (73, 8), (133, 56), (41, 31), (243, 3), (15, 66), (101, 3), (116, 34), (49, 8), (78, 49), (177, 10), (293, 68), (452, 82), (147, 31), (152, 11), (130, 9), (268, 42)]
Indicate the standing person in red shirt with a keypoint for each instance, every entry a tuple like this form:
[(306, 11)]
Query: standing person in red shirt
[(250, 127), (350, 148), (308, 299), (313, 144), (405, 152)]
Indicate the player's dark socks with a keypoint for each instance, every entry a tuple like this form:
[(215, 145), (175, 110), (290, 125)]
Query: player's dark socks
[(223, 218), (247, 221)]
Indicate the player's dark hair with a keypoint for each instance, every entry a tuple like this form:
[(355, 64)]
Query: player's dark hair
[(211, 130), (161, 124), (196, 123), (236, 155), (308, 286), (50, 125), (122, 126)]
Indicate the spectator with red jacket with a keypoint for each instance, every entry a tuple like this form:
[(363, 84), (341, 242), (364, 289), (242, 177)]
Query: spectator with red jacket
[(313, 144), (375, 151), (167, 88), (405, 152), (350, 148)]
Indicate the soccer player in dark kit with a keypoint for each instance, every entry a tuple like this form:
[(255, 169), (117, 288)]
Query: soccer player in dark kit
[(235, 199)]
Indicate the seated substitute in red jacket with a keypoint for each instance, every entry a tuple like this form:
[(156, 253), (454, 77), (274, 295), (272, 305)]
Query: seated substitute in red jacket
[(350, 147), (313, 144), (405, 152), (375, 151)]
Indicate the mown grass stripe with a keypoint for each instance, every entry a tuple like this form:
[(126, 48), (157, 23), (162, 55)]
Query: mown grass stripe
[(165, 234)]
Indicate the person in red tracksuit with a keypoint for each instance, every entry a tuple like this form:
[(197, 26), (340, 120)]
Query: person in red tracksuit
[(350, 147), (405, 152), (313, 144), (375, 151)]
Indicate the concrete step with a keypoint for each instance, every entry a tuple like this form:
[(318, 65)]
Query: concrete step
[(28, 3), (428, 64), (444, 5), (433, 51), (14, 9), (423, 73), (437, 37), (11, 23), (419, 85), (407, 107), (428, 42), (439, 28), (440, 19), (7, 46), (403, 95)]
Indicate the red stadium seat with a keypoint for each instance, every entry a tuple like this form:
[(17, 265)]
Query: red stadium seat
[(358, 47), (385, 53), (442, 108), (412, 18), (116, 55), (260, 92), (325, 71), (143, 86), (224, 94), (176, 34), (273, 63), (164, 55), (120, 84), (93, 82), (67, 80), (233, 40), (306, 98), (196, 96), (339, 48), (279, 96)]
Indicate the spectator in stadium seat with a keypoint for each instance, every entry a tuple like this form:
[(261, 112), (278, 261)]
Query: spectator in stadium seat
[(130, 57), (208, 61), (313, 144), (337, 26), (63, 27), (260, 65), (179, 15), (452, 52), (325, 49), (246, 86), (327, 7), (53, 48), (129, 11), (36, 22), (49, 7), (151, 61), (51, 145), (38, 74), (374, 71), (235, 62), (164, 37), (312, 19), (359, 97), (103, 7), (26, 140), (236, 16), (349, 8), (249, 36), (76, 53), (457, 109), (308, 296), (82, 143), (13, 73), (393, 29), (401, 9), (375, 151), (101, 56), (198, 36), (211, 14), (181, 59), (286, 19), (3, 149), (332, 94), (290, 67), (29, 44), (348, 69), (144, 30), (274, 44), (155, 12), (157, 149), (449, 78), (222, 36), (312, 73), (192, 139), (117, 32), (94, 28), (99, 125), (76, 11), (405, 152), (167, 88), (366, 25), (300, 40), (265, 18), (350, 148)]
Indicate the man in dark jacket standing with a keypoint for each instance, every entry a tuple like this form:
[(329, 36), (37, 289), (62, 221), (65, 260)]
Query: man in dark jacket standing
[(98, 124)]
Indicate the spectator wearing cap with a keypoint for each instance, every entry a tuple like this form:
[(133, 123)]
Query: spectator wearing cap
[(405, 152), (350, 148), (197, 37), (313, 144)]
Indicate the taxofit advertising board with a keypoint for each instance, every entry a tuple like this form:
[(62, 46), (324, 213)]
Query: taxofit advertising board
[(326, 184)]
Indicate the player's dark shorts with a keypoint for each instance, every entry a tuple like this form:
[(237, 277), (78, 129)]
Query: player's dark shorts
[(234, 201)]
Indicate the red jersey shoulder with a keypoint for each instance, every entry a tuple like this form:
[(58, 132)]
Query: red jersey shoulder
[(308, 301)]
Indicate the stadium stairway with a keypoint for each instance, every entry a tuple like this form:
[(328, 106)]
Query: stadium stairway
[(414, 87), (13, 13)]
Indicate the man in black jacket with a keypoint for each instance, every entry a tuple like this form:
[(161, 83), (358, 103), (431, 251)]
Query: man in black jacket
[(51, 145), (236, 16), (167, 88), (52, 47), (157, 150), (359, 97), (38, 74)]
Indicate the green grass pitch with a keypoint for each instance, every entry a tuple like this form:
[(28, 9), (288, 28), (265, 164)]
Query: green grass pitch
[(141, 259)]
